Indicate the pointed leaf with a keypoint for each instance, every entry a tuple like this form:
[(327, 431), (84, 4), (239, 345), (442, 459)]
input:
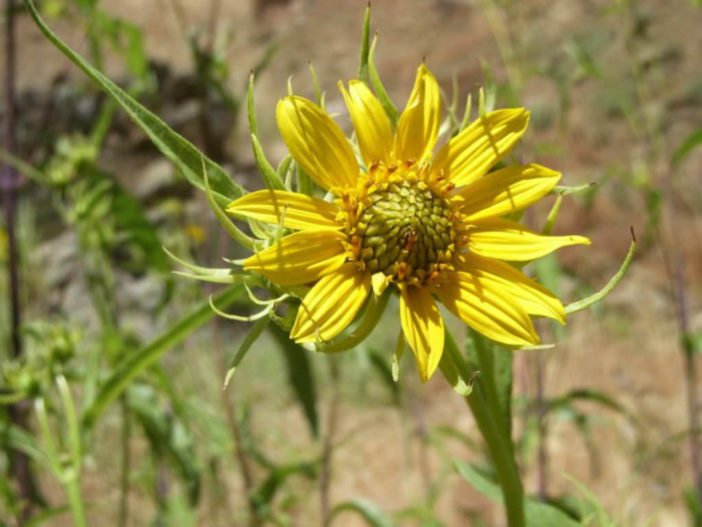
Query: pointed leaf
[(175, 147)]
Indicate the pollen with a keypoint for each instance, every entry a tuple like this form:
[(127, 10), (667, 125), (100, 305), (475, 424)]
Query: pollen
[(405, 229)]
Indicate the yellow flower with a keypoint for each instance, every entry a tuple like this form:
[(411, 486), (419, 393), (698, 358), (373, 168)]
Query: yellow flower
[(432, 227)]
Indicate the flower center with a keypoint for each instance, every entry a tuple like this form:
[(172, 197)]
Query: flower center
[(405, 231)]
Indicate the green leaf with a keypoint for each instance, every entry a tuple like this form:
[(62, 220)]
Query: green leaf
[(271, 178), (244, 347), (46, 515), (368, 510), (691, 142), (383, 96), (537, 514), (263, 496), (167, 436), (135, 363), (175, 147), (365, 47), (593, 396), (299, 375), (602, 293), (448, 368), (18, 439)]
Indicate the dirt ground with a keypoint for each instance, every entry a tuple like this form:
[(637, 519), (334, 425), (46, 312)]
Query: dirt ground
[(628, 349)]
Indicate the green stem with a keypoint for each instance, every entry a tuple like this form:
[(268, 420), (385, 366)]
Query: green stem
[(485, 406), (75, 498)]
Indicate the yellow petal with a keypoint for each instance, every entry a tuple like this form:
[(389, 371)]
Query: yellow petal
[(331, 305), (470, 154), (533, 297), (297, 210), (316, 142), (505, 191), (418, 126), (423, 328), (370, 122), (483, 304), (300, 257), (507, 240)]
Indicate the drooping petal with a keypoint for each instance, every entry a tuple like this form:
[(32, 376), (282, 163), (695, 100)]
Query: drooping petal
[(300, 257), (533, 297), (505, 191), (508, 240), (370, 122), (316, 142), (418, 126), (297, 210), (470, 154), (488, 308), (331, 305), (423, 328)]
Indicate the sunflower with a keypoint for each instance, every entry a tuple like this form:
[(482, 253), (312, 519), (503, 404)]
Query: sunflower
[(433, 227)]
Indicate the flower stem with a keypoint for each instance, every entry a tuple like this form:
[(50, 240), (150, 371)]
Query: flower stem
[(485, 405)]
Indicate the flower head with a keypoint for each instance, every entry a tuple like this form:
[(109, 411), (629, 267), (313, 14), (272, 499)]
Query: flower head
[(432, 227)]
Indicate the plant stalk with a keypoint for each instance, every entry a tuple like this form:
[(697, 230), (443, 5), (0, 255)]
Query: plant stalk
[(541, 410), (123, 516), (242, 460), (484, 404), (10, 181), (328, 446)]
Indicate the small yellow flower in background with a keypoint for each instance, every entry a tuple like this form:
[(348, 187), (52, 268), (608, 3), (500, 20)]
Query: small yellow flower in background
[(431, 226)]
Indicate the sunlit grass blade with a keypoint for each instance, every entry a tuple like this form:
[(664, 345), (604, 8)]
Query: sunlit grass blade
[(175, 147), (135, 363)]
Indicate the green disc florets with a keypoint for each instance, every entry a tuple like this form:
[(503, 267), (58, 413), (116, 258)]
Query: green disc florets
[(405, 230)]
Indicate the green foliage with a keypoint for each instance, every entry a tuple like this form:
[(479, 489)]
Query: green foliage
[(537, 514), (138, 361), (176, 148), (300, 376), (366, 509)]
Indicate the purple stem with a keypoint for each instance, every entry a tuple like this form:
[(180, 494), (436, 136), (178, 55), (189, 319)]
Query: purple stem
[(10, 181)]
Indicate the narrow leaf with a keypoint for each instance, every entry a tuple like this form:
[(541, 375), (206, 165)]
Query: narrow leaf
[(299, 375), (607, 289), (175, 147), (368, 511), (244, 347), (365, 48), (537, 514), (135, 363), (383, 96), (691, 142)]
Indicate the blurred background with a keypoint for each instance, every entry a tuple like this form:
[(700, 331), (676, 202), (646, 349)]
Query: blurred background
[(602, 421)]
